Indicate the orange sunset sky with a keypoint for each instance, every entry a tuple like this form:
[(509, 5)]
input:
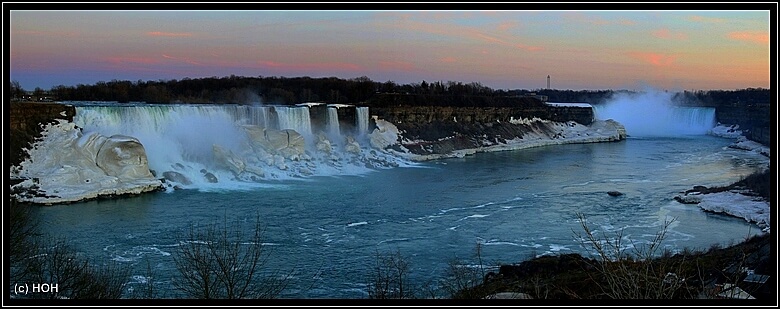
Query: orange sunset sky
[(502, 49)]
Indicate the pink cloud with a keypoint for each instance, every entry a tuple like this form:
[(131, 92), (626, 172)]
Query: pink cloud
[(506, 25), (664, 33), (459, 31), (139, 64), (758, 37), (448, 59), (186, 60), (396, 66), (338, 66), (482, 36), (656, 59), (703, 19), (131, 60), (169, 34)]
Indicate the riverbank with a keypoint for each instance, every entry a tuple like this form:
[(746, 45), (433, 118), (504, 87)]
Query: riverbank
[(739, 271), (517, 134), (748, 198)]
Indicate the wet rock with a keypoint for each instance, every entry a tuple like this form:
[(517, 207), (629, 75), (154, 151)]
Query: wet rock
[(688, 199), (174, 176)]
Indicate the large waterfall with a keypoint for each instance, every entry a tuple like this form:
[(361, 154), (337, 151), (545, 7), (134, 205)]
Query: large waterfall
[(215, 146), (655, 114)]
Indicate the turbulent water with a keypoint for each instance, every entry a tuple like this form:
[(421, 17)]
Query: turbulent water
[(654, 114), (322, 232)]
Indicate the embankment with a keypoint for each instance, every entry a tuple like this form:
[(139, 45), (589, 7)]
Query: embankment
[(26, 123)]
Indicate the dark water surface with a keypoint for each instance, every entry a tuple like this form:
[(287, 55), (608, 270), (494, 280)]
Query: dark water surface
[(324, 232)]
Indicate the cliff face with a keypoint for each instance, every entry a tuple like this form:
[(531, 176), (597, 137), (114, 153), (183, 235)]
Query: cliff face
[(754, 119), (26, 122), (470, 115), (444, 129)]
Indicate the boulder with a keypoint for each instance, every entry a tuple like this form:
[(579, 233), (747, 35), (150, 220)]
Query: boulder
[(288, 143), (228, 159), (323, 144), (352, 145), (123, 157), (209, 176), (688, 199), (174, 176), (385, 135)]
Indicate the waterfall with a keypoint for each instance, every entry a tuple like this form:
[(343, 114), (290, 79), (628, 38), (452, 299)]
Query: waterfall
[(230, 146), (362, 120), (332, 123), (295, 118), (250, 114), (654, 114), (170, 133)]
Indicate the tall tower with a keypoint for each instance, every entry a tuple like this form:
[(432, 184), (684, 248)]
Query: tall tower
[(548, 81)]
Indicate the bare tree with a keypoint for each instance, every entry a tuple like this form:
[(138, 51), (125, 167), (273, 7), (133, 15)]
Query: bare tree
[(16, 90), (75, 276), (22, 240), (389, 278), (465, 282), (54, 262), (225, 262), (632, 274)]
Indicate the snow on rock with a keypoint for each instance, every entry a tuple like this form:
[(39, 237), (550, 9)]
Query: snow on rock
[(733, 131), (384, 135), (753, 209), (727, 131), (562, 133), (72, 166), (746, 144)]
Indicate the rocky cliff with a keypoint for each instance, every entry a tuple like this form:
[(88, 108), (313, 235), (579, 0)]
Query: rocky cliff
[(420, 137), (444, 130), (26, 121), (753, 119)]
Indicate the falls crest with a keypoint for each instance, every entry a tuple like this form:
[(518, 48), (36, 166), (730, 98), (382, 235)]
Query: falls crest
[(230, 146)]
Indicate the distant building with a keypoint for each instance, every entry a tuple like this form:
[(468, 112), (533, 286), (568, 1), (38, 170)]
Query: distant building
[(542, 98)]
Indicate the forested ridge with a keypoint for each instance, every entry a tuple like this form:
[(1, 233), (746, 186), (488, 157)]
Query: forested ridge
[(360, 90)]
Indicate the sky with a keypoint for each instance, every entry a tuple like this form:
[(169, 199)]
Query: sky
[(501, 49)]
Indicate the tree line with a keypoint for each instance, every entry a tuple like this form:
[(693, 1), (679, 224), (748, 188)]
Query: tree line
[(360, 90)]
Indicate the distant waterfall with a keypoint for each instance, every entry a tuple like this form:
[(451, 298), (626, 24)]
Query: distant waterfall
[(295, 118), (332, 122), (362, 120), (654, 114)]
